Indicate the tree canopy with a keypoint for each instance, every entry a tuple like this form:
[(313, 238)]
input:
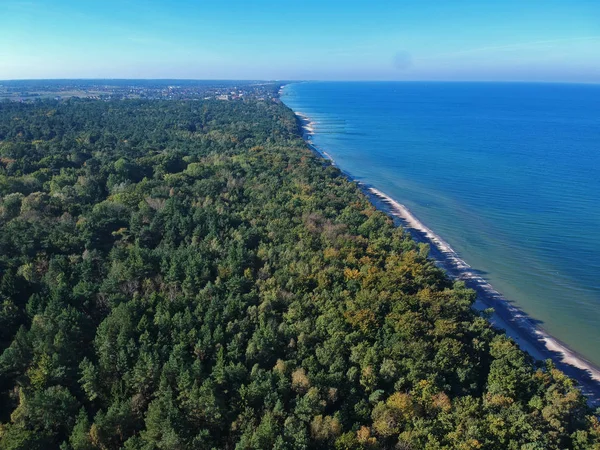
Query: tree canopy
[(187, 274)]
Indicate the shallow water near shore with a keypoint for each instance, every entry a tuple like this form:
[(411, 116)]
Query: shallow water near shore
[(507, 174)]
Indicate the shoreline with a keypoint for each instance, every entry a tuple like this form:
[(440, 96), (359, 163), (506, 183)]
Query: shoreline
[(517, 324), (307, 124)]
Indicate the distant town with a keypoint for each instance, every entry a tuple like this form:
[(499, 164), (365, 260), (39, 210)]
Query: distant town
[(31, 90)]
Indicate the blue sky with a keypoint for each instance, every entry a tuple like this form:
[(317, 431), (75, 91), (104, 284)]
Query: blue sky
[(524, 40)]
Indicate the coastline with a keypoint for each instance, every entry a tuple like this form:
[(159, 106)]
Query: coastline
[(308, 130), (522, 328)]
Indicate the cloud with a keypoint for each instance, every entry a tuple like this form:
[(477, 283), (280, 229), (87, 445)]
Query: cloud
[(402, 60)]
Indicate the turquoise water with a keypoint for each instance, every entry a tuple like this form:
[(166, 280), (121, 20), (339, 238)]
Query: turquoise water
[(507, 174)]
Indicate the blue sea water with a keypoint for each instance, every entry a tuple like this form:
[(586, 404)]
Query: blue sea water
[(507, 173)]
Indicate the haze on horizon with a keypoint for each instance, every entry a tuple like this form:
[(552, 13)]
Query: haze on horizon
[(527, 40)]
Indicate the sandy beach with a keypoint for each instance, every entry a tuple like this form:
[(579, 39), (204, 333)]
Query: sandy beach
[(308, 125), (507, 316)]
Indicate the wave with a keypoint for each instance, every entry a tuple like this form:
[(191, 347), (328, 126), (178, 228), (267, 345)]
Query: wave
[(308, 125)]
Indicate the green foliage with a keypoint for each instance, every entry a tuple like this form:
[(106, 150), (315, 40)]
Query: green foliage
[(188, 275)]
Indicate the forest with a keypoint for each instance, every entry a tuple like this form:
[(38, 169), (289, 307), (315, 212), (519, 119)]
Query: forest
[(189, 275)]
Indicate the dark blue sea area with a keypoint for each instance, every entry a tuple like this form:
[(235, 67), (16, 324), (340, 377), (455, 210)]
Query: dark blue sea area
[(507, 173)]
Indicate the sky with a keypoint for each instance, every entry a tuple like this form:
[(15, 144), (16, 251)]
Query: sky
[(470, 40)]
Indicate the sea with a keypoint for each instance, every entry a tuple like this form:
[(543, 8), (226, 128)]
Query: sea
[(508, 174)]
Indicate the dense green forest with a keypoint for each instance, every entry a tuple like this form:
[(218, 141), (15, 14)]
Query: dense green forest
[(183, 275)]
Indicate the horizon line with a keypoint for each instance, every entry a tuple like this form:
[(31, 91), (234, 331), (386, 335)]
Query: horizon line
[(289, 81)]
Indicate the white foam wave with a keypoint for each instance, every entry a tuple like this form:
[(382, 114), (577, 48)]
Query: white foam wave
[(308, 125)]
